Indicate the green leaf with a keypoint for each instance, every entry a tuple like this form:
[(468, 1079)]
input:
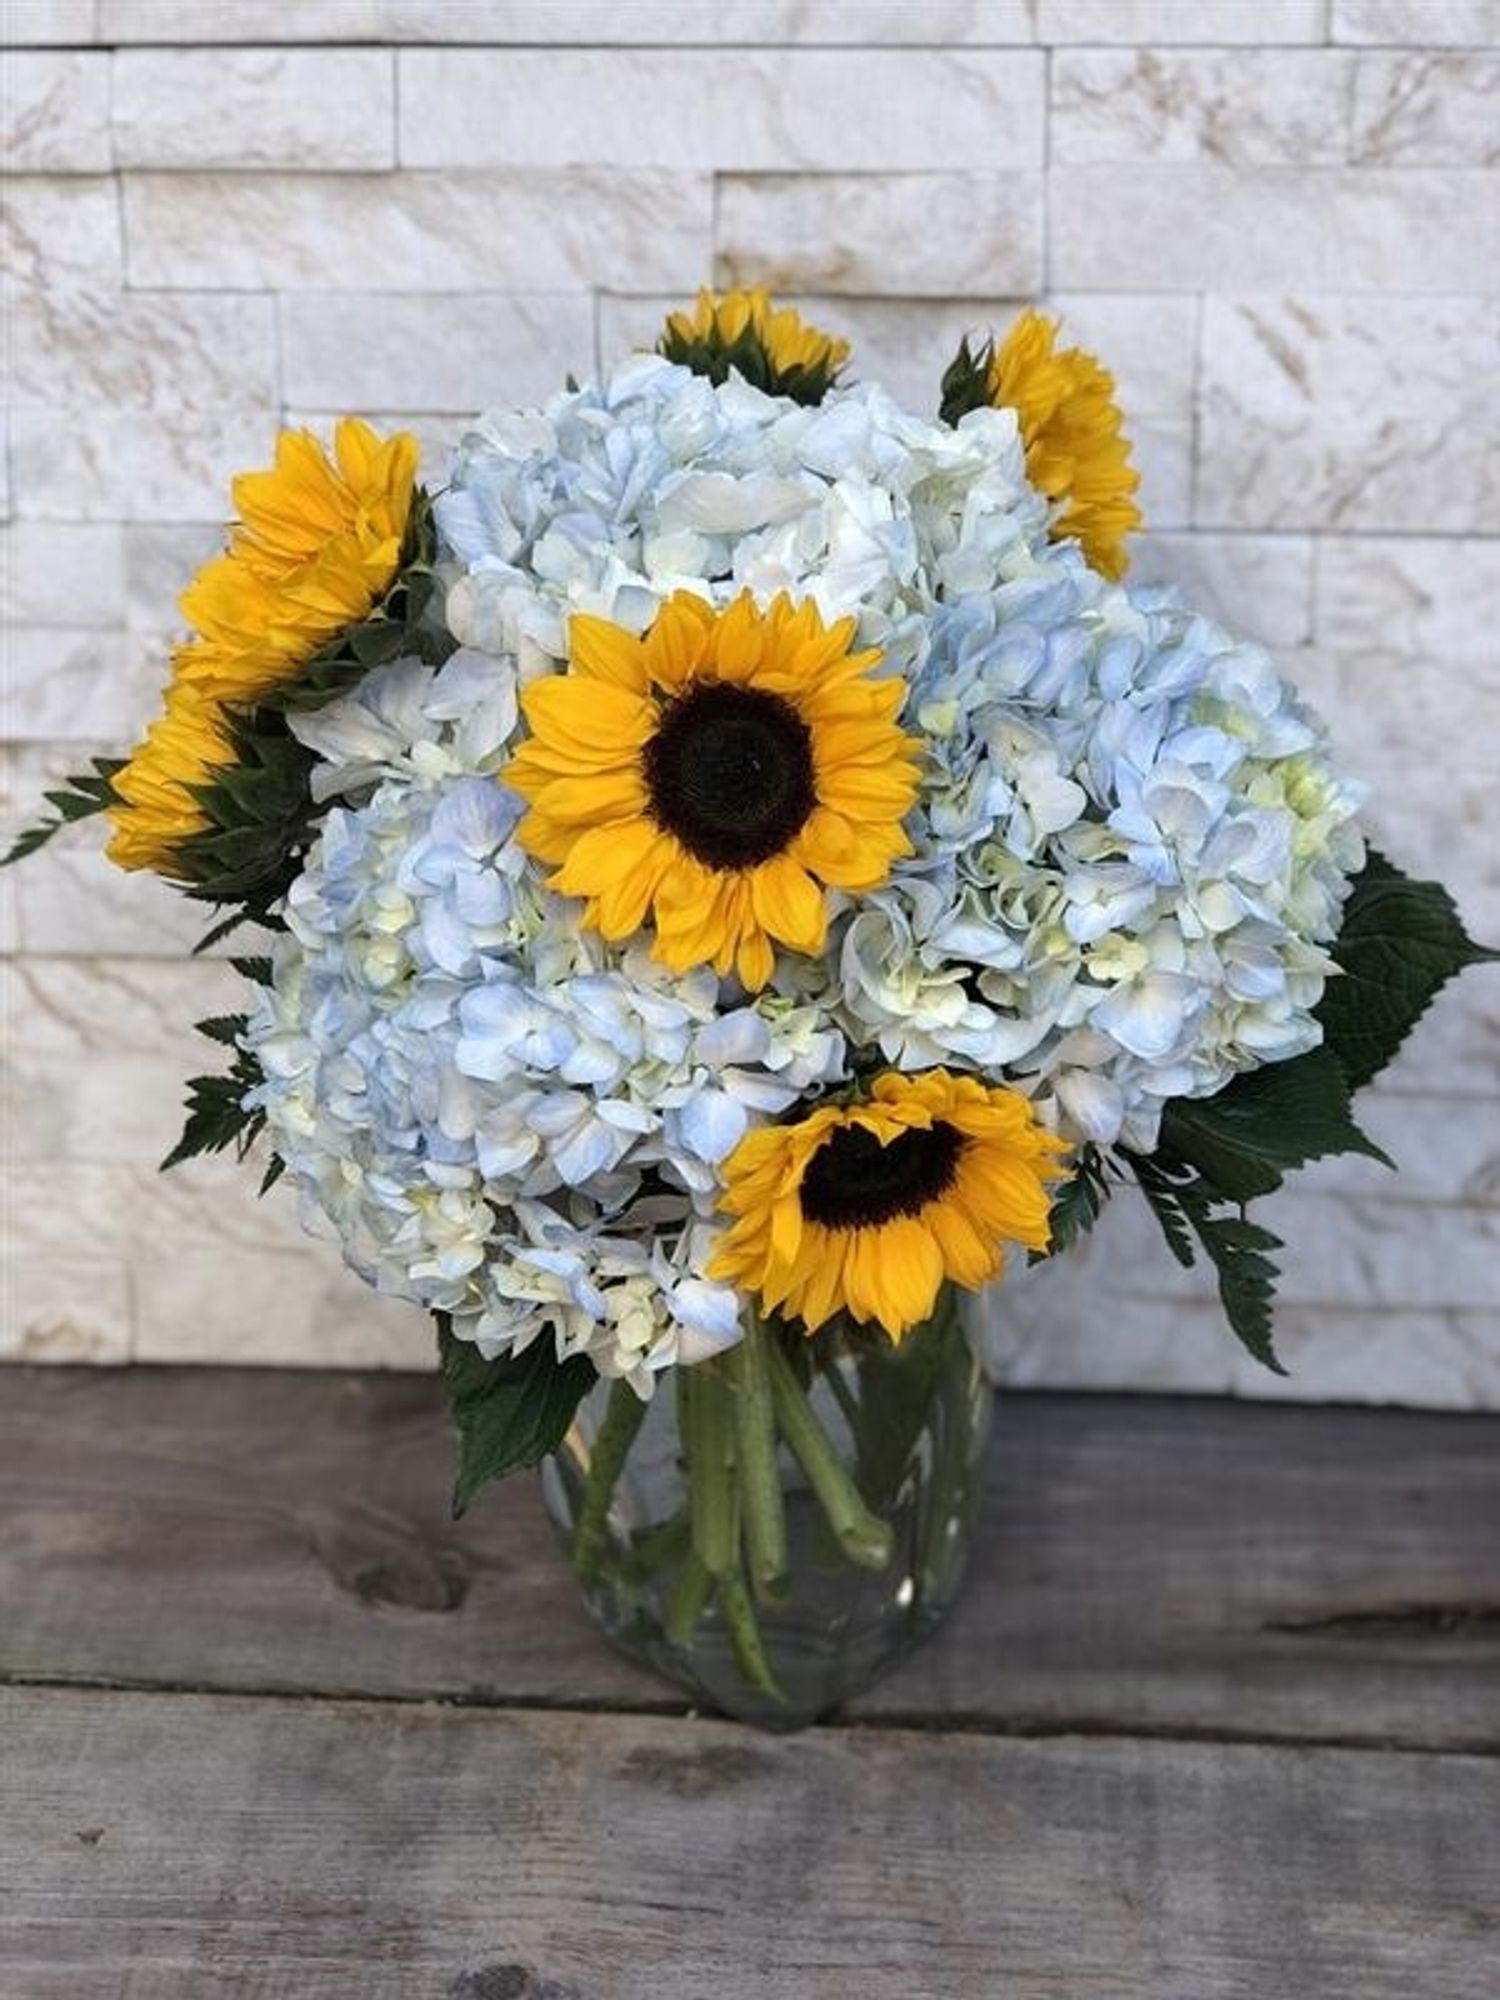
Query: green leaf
[(77, 798), (1188, 1209), (1401, 941), (225, 1028), (1265, 1121), (510, 1412), (217, 1117), (1077, 1205)]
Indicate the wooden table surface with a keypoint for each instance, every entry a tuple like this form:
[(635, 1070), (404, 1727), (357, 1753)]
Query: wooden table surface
[(1218, 1716)]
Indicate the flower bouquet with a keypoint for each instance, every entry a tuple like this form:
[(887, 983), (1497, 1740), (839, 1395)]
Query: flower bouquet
[(736, 860)]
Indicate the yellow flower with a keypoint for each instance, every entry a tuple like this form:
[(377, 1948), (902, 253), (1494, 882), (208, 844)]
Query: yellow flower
[(1070, 427), (773, 347), (317, 544), (870, 1206), (184, 747), (718, 774)]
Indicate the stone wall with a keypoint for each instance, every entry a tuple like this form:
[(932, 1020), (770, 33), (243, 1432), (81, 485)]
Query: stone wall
[(1278, 220)]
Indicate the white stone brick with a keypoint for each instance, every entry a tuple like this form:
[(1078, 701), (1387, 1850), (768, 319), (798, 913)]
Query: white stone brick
[(172, 351), (1257, 585), (1253, 107), (733, 110), (904, 235), (67, 900), (437, 351), (1210, 22), (1419, 23), (1162, 452), (1048, 1333), (1429, 810), (290, 1308), (714, 23), (47, 24), (1318, 413), (54, 112), (188, 21), (161, 558), (1446, 1150), (1456, 1048), (132, 465), (62, 573), (59, 682), (259, 107), (1426, 109), (72, 1308), (1210, 227), (1386, 1254), (1147, 341), (1417, 596), (99, 1053), (418, 232), (59, 232)]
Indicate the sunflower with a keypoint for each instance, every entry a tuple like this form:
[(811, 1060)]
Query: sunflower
[(870, 1206), (317, 544), (1070, 429), (159, 809), (719, 774), (773, 347)]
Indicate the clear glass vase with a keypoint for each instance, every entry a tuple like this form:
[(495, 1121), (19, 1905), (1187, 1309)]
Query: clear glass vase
[(779, 1526)]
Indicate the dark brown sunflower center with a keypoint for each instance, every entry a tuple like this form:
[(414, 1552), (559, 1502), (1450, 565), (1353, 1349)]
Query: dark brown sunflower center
[(730, 773), (853, 1182)]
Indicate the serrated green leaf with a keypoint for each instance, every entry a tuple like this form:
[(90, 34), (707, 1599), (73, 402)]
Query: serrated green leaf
[(1400, 942), (1188, 1208), (1265, 1121), (217, 1117), (77, 798), (510, 1412), (225, 1028), (1077, 1204)]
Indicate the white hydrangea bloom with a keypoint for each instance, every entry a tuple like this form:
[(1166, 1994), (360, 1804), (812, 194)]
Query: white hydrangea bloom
[(478, 1096), (617, 496), (1130, 854)]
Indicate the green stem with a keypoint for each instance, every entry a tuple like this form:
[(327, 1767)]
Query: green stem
[(689, 1599), (623, 1418), (761, 1503), (707, 1425), (738, 1608), (865, 1539)]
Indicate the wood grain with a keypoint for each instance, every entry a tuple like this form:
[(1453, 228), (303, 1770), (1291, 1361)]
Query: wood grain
[(1145, 1564), (191, 1847)]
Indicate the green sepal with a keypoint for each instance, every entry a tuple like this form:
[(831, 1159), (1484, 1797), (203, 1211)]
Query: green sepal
[(714, 357), (966, 381), (78, 797), (1266, 1121), (1191, 1211), (510, 1412), (1400, 942)]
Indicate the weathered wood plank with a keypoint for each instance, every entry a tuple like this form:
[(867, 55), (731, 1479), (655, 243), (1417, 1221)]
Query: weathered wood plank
[(188, 1847), (1146, 1563)]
